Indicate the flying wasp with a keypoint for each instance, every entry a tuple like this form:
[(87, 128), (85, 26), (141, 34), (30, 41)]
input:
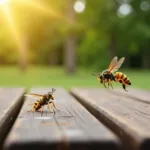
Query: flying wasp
[(43, 100), (108, 75)]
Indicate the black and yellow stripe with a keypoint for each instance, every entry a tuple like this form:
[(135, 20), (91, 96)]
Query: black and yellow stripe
[(37, 105), (122, 78)]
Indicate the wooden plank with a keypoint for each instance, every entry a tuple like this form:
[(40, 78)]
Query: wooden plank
[(73, 127), (129, 119), (135, 94), (11, 100)]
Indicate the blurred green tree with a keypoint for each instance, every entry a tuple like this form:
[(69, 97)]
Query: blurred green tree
[(54, 33), (121, 28)]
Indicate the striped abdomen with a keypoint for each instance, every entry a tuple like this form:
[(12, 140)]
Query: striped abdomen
[(37, 105), (122, 78)]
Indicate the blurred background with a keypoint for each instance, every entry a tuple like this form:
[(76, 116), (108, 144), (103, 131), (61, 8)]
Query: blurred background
[(61, 42)]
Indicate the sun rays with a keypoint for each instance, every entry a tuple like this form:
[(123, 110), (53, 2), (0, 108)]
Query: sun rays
[(40, 7), (16, 31), (11, 23)]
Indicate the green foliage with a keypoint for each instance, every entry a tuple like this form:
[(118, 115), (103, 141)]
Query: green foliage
[(91, 51), (94, 47), (131, 33), (46, 29)]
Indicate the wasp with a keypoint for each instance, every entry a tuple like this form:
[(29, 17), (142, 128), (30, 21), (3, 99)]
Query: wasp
[(43, 100), (108, 75)]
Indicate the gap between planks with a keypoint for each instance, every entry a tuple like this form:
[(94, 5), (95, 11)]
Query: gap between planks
[(71, 128), (11, 100), (108, 108)]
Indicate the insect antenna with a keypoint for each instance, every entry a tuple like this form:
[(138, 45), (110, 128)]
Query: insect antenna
[(53, 90), (94, 73)]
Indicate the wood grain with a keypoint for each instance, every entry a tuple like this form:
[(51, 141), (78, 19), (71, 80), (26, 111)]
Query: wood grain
[(129, 119), (135, 94), (73, 127), (11, 100)]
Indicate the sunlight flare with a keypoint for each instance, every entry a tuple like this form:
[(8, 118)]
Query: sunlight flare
[(42, 8), (12, 25), (10, 19), (14, 30), (2, 2)]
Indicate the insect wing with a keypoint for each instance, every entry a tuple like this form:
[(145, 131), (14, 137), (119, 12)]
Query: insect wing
[(113, 63), (118, 64), (34, 95)]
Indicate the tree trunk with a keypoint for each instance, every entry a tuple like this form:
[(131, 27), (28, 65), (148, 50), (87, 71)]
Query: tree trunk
[(113, 43), (145, 60), (54, 57), (70, 43), (112, 48)]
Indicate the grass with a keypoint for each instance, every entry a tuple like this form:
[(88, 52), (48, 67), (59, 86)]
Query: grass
[(41, 76)]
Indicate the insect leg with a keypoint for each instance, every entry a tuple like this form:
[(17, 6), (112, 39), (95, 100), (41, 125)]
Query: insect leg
[(111, 85), (124, 87), (104, 83), (48, 105), (55, 106), (108, 83), (33, 109), (54, 112), (41, 110)]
